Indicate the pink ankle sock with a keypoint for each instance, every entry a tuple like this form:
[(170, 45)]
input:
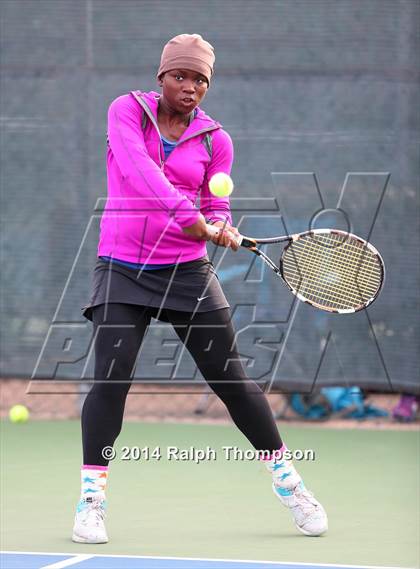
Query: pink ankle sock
[(94, 479), (275, 455)]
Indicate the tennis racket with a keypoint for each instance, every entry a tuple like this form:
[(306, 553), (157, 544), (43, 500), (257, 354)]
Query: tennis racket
[(329, 269)]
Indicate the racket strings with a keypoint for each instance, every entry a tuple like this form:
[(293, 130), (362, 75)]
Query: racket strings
[(364, 280), (335, 280), (333, 295), (332, 270), (348, 276), (333, 298)]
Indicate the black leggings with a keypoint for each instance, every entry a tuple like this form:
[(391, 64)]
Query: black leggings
[(119, 330)]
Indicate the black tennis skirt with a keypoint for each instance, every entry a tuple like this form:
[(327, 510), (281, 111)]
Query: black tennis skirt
[(188, 287)]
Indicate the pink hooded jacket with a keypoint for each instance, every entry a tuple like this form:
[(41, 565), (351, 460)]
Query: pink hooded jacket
[(150, 199)]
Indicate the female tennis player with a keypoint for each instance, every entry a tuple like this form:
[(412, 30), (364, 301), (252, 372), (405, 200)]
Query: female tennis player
[(152, 262)]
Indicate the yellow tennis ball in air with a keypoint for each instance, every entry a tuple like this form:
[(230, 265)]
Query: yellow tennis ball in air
[(18, 414), (221, 185)]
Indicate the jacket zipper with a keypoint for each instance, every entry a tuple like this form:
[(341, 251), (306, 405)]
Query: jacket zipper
[(151, 116)]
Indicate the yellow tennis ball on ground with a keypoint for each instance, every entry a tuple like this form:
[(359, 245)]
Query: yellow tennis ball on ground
[(18, 414), (221, 185)]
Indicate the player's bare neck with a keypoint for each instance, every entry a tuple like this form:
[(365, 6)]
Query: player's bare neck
[(172, 124)]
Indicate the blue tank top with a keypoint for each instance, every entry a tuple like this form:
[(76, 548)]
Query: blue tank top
[(168, 145)]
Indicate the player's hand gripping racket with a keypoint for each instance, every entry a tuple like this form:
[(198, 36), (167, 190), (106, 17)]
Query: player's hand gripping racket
[(330, 269)]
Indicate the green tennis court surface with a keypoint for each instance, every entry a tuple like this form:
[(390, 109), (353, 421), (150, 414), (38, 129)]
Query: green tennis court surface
[(367, 480), (13, 560)]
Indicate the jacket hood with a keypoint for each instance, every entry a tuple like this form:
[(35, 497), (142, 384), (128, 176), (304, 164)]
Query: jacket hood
[(200, 122)]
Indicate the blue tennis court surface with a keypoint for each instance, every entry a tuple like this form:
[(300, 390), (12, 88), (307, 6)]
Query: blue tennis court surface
[(17, 560)]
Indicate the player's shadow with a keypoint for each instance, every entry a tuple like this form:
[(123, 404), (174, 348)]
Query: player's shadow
[(278, 535), (271, 535)]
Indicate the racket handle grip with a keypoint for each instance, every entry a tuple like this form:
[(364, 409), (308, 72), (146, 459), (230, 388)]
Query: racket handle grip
[(246, 242), (240, 239)]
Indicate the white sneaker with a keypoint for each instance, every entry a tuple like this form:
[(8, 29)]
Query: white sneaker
[(89, 526), (309, 516)]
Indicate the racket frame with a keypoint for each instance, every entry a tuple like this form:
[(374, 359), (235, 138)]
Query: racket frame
[(252, 242)]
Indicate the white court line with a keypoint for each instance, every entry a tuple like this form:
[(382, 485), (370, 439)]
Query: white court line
[(67, 562), (297, 563)]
